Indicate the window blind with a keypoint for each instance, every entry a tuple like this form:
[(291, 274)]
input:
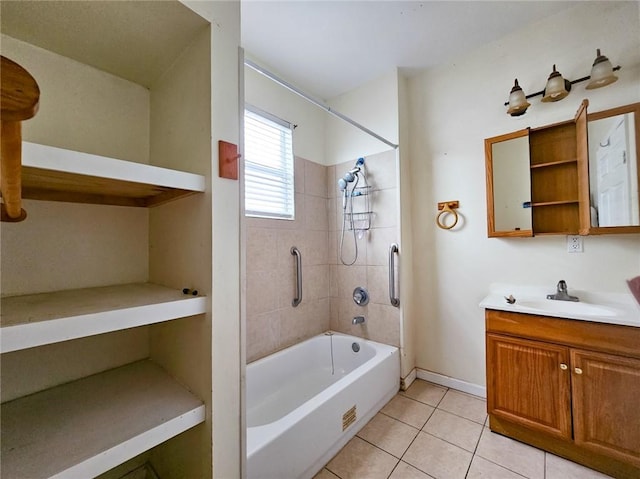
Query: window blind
[(268, 176)]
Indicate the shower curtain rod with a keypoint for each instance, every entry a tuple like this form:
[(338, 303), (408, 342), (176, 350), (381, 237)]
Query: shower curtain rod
[(318, 103)]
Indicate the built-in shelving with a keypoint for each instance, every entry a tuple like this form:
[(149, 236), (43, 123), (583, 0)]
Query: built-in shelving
[(555, 203), (553, 163), (57, 174), (37, 319), (87, 427)]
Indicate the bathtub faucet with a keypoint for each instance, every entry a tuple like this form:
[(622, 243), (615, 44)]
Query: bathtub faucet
[(357, 320)]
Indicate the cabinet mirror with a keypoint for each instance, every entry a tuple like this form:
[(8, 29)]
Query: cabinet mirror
[(613, 170), (508, 185)]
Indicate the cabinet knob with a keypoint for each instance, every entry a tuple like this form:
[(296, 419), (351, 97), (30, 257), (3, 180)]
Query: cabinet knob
[(578, 370), (563, 366)]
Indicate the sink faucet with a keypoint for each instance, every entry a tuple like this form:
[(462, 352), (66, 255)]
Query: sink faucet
[(357, 320), (562, 294)]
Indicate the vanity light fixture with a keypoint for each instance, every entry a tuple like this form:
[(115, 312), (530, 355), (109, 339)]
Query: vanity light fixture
[(601, 72), (558, 87)]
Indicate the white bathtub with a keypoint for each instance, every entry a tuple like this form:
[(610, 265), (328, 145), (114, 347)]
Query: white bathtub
[(298, 399)]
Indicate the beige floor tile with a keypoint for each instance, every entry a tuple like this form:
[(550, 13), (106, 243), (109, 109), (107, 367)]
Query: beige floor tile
[(425, 392), (483, 469), (388, 434), (359, 460), (515, 456), (325, 474), (454, 429), (559, 468), (465, 405), (437, 457), (405, 471), (408, 411)]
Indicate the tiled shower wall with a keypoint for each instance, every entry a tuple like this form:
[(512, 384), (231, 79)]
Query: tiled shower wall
[(272, 323), (371, 269)]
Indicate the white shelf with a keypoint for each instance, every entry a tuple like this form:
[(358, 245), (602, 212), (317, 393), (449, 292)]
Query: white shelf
[(38, 319), (87, 427), (56, 174)]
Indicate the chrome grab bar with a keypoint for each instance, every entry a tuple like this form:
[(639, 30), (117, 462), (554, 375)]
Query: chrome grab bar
[(298, 298), (393, 250)]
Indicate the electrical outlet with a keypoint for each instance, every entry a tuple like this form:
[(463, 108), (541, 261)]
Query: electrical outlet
[(574, 244)]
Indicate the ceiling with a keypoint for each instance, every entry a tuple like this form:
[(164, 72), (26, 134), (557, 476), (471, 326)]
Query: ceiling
[(327, 48)]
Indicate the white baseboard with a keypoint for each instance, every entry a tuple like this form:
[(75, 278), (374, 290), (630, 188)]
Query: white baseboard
[(406, 381), (449, 382)]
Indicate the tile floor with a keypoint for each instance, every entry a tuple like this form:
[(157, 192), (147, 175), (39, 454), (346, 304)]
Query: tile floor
[(430, 432)]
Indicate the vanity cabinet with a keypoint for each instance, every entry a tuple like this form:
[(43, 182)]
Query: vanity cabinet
[(566, 386)]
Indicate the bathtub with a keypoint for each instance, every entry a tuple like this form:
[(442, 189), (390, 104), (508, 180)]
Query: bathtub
[(305, 402)]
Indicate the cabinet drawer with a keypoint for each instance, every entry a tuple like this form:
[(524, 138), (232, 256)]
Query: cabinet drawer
[(607, 338)]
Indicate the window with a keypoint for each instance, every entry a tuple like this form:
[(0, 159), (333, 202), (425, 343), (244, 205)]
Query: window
[(268, 164)]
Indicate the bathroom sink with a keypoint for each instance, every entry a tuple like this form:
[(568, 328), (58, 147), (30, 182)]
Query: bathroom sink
[(569, 307)]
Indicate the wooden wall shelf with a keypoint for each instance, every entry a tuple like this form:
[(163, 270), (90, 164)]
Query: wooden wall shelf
[(87, 427), (56, 174), (37, 319)]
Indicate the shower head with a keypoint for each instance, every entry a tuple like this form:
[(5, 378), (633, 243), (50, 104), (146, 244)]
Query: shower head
[(348, 177)]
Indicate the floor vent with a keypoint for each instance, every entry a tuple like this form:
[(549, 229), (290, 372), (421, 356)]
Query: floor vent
[(348, 418)]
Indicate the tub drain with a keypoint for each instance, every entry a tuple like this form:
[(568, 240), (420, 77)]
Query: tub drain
[(355, 347)]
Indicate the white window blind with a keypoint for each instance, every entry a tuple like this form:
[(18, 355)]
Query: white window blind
[(268, 163)]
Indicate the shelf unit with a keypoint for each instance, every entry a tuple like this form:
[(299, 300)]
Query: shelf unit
[(119, 81), (89, 426), (554, 179), (57, 174), (34, 320)]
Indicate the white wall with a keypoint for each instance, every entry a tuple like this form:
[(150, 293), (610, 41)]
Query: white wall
[(309, 135), (452, 109), (375, 106)]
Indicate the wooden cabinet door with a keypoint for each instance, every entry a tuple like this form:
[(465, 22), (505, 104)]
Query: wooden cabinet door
[(606, 404), (528, 382)]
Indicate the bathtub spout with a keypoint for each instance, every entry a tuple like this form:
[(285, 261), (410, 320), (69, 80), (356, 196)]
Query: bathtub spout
[(358, 320)]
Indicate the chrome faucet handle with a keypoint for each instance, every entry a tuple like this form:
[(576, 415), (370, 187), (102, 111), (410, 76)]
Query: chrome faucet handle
[(562, 286)]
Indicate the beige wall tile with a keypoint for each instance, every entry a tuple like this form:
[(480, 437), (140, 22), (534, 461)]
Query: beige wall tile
[(263, 334), (332, 182), (316, 248), (262, 292), (343, 312), (261, 249), (378, 284), (383, 324), (385, 208), (316, 211), (379, 240), (308, 319), (349, 277), (315, 282), (299, 167), (381, 170), (315, 179)]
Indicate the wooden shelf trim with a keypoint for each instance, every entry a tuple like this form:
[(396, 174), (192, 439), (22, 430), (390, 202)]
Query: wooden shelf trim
[(38, 319), (56, 174), (553, 163), (87, 427), (555, 203)]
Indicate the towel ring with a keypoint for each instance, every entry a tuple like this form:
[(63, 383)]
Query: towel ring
[(446, 210)]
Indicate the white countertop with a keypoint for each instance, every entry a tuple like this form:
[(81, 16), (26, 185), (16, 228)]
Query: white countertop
[(611, 308)]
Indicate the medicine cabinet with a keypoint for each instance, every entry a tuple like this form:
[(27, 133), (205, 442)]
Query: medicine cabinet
[(574, 177)]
